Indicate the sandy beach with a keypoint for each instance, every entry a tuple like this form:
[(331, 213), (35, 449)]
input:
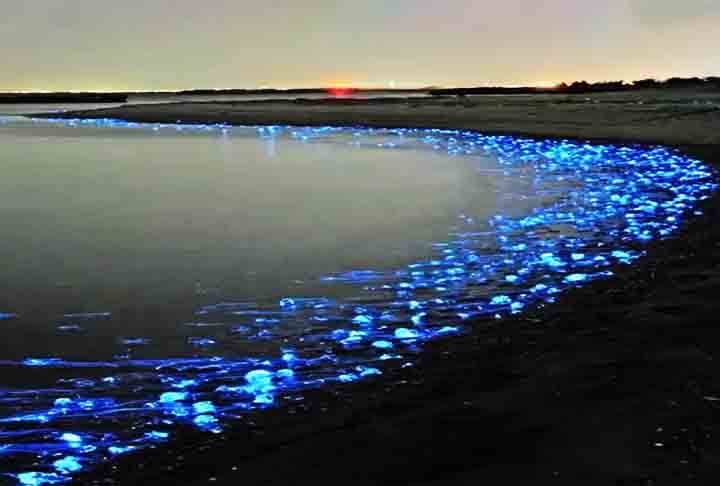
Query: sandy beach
[(669, 117), (616, 384)]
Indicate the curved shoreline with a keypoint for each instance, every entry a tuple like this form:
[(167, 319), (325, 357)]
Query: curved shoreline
[(573, 393)]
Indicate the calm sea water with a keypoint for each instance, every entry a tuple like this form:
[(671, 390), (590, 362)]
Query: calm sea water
[(151, 225), (21, 109)]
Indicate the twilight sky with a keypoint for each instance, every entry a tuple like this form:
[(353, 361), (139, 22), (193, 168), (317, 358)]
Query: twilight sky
[(177, 44)]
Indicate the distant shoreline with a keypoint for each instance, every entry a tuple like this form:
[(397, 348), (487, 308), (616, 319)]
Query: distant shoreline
[(44, 98), (710, 84), (122, 97)]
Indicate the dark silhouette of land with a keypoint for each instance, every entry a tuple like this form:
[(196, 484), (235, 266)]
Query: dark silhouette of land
[(21, 98), (122, 97), (711, 84), (583, 87)]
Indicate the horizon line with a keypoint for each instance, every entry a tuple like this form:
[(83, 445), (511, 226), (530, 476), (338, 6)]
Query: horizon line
[(349, 86)]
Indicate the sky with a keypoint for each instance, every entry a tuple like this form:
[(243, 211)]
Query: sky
[(105, 45)]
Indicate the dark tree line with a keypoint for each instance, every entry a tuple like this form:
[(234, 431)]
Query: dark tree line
[(585, 87)]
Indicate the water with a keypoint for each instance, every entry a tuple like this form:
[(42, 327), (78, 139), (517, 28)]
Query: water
[(152, 225), (9, 110), (160, 277), (30, 108)]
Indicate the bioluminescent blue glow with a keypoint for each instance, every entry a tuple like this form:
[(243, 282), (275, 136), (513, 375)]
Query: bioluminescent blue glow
[(600, 205)]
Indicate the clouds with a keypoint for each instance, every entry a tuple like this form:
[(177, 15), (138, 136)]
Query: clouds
[(177, 44)]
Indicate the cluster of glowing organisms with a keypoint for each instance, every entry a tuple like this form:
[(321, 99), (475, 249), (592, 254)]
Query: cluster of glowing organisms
[(593, 207)]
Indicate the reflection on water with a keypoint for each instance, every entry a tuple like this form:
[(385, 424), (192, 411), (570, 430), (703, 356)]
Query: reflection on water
[(220, 270)]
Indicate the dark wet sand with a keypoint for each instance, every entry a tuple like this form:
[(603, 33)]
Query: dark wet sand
[(616, 384)]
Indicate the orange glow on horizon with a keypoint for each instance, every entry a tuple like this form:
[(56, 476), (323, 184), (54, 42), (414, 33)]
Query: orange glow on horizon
[(340, 91)]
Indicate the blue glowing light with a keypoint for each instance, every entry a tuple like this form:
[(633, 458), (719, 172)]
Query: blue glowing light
[(501, 300), (576, 277), (264, 399), (172, 397), (63, 402), (368, 371), (39, 479), (595, 206), (362, 320), (71, 438), (201, 342), (403, 333), (418, 318), (202, 408), (68, 465), (119, 450), (285, 374), (205, 421), (260, 383), (156, 435), (41, 362), (447, 330), (383, 344), (135, 341)]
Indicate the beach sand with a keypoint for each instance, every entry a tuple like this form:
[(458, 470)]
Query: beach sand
[(671, 118), (616, 384)]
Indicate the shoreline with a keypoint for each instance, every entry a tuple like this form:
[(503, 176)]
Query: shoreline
[(613, 118), (616, 383)]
